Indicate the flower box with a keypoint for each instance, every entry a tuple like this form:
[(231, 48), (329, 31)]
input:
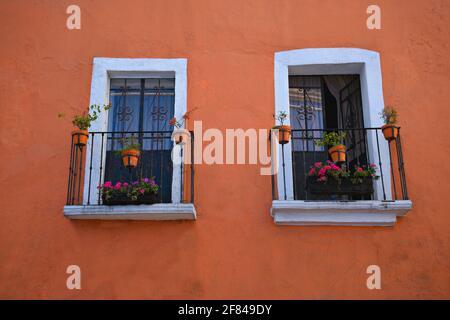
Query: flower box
[(143, 191), (331, 186), (122, 199)]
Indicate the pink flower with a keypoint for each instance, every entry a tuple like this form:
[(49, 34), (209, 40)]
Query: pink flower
[(146, 180), (125, 184), (373, 165), (142, 191), (359, 169), (312, 172), (322, 179), (318, 164), (108, 184), (322, 172), (334, 167)]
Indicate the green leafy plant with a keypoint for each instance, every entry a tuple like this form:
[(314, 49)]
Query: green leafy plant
[(281, 116), (331, 139), (389, 115), (129, 143), (362, 172), (83, 121)]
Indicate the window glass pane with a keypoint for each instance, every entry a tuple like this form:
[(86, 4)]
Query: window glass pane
[(142, 106)]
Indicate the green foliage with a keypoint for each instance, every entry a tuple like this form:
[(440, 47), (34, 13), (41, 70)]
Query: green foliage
[(83, 121), (129, 143), (326, 171), (360, 173), (389, 115), (330, 139)]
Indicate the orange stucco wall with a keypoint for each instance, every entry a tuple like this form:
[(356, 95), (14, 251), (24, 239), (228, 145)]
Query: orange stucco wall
[(233, 250)]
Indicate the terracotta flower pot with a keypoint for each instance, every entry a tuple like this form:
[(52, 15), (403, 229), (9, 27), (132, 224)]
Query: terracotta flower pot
[(284, 134), (180, 135), (130, 158), (337, 153), (390, 131), (80, 137)]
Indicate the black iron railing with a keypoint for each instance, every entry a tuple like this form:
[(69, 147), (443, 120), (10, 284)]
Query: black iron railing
[(364, 147), (100, 160)]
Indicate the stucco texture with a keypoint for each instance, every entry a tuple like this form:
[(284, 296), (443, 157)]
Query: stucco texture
[(233, 250)]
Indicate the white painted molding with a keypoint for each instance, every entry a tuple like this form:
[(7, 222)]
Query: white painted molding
[(351, 213), (323, 61), (106, 68), (161, 211)]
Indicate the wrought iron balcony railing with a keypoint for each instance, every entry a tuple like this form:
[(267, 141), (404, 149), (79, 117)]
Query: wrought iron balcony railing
[(364, 147), (100, 160)]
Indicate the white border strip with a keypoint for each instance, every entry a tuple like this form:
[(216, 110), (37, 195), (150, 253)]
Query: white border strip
[(325, 61), (103, 70)]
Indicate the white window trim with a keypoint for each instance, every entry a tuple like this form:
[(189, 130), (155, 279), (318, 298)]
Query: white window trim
[(326, 61), (158, 211), (103, 70)]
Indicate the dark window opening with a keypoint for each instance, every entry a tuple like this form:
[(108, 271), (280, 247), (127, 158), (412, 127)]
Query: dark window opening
[(321, 104)]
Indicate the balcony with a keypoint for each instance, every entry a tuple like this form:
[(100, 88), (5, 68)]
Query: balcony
[(161, 161), (345, 192)]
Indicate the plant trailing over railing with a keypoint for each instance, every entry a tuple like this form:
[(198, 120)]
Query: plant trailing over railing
[(138, 192), (284, 131), (389, 116), (333, 140)]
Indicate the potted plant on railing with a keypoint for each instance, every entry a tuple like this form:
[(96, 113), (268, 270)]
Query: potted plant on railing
[(83, 123), (130, 152), (284, 131), (389, 116), (333, 140), (180, 135), (328, 178), (142, 191)]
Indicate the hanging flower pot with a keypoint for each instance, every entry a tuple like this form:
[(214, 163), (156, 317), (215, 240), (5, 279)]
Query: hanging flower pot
[(80, 137), (130, 157), (337, 153), (390, 132), (284, 133), (333, 140), (83, 123), (180, 135), (389, 116)]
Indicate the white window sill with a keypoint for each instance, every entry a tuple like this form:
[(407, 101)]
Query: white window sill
[(354, 213), (159, 211)]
